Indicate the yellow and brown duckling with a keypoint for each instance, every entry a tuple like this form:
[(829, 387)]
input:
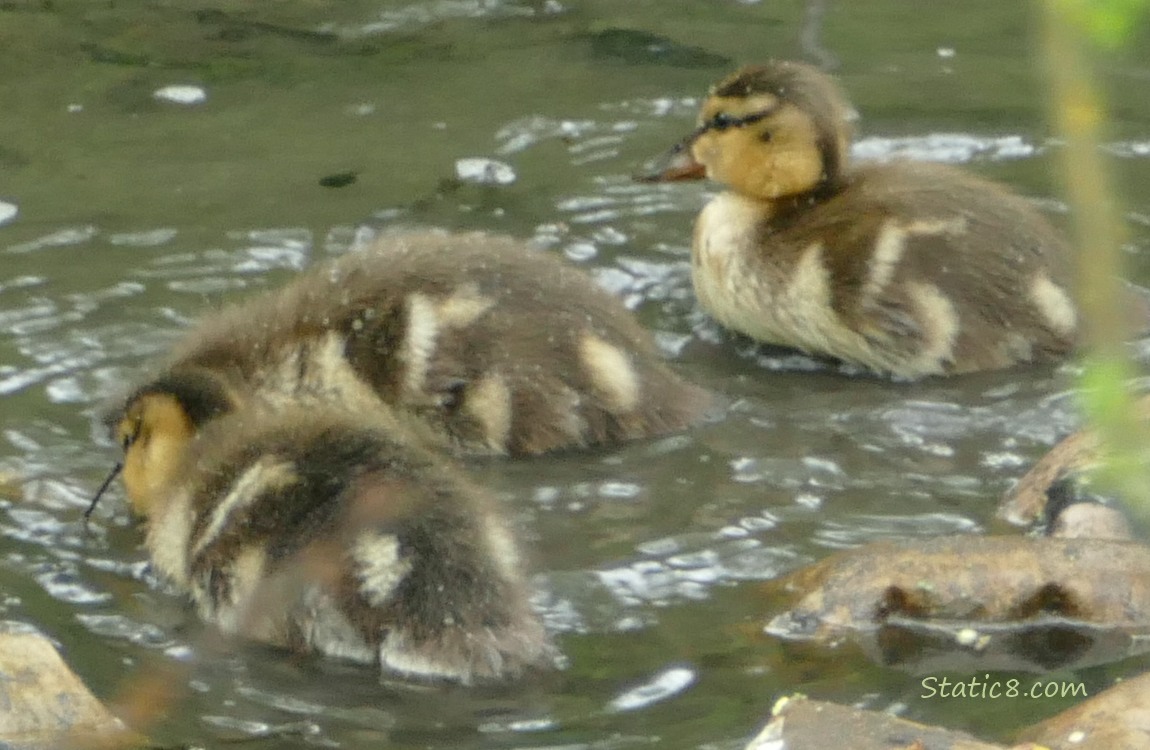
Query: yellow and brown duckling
[(495, 347), (321, 531), (906, 268)]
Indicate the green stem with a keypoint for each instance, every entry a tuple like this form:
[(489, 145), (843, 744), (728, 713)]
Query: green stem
[(1100, 232)]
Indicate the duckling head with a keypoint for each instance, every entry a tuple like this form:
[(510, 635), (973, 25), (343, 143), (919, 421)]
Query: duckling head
[(768, 131), (155, 426)]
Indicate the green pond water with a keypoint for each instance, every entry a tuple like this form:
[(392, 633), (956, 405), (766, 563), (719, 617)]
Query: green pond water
[(323, 120)]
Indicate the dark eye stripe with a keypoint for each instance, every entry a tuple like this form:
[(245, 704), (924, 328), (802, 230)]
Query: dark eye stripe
[(129, 438), (723, 121)]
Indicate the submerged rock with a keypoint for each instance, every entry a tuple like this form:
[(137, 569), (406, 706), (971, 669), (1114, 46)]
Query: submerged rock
[(43, 704), (1073, 514), (798, 723), (1117, 719)]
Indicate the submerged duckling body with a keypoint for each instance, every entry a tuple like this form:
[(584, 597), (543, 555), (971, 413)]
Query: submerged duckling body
[(495, 347), (904, 268), (322, 531)]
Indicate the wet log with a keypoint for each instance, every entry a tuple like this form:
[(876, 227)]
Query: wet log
[(1076, 601)]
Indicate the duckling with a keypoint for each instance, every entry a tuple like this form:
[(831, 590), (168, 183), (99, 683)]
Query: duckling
[(319, 530), (156, 428), (906, 269), (494, 347)]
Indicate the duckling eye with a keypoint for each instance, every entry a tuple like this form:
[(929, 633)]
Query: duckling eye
[(723, 121), (128, 436), (454, 392)]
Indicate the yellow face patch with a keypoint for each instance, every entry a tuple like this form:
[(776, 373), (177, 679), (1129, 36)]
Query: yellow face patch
[(154, 434), (759, 146)]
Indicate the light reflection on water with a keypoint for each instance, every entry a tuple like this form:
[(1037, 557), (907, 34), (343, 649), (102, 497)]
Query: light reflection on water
[(648, 557)]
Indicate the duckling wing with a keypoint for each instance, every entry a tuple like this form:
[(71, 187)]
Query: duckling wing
[(945, 273), (321, 530), (508, 350)]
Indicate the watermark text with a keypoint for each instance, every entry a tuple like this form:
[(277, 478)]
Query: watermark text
[(988, 687)]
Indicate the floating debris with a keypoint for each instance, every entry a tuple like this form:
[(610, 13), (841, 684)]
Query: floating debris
[(339, 179), (481, 171), (181, 94)]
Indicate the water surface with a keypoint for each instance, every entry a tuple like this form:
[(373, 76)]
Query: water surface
[(134, 213)]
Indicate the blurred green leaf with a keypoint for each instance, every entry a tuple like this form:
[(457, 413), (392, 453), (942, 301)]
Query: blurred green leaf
[(1079, 113), (1108, 23), (1103, 391)]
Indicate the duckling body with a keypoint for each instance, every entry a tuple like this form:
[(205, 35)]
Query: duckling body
[(496, 348), (322, 531), (905, 268)]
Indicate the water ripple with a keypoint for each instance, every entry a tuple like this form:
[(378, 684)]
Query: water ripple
[(686, 567), (59, 238), (661, 686), (858, 529), (421, 14), (62, 582), (124, 628), (145, 237), (8, 211), (952, 148)]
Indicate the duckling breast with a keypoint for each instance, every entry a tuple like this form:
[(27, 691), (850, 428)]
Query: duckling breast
[(762, 285)]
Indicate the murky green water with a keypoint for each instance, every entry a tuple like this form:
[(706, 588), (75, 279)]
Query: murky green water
[(135, 214)]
